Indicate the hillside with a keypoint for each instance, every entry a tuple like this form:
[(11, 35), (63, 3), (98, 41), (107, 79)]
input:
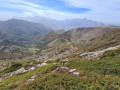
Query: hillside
[(9, 38), (95, 74), (20, 32), (81, 58), (51, 36), (76, 37), (82, 34), (107, 40), (22, 27)]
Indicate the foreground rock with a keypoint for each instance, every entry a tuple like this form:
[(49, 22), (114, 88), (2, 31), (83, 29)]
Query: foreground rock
[(21, 70)]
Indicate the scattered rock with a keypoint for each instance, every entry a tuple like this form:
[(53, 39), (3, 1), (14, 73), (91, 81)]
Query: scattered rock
[(72, 70)]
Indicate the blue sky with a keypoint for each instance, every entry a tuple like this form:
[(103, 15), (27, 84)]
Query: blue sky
[(106, 11)]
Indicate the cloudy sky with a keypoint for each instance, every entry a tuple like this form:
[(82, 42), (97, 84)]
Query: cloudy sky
[(106, 11)]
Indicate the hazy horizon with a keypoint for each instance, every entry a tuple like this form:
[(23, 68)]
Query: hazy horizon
[(105, 11)]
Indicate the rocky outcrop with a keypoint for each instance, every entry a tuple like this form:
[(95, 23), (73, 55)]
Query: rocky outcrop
[(6, 75), (21, 70), (91, 55)]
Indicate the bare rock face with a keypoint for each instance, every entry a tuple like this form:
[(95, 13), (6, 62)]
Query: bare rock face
[(21, 70), (90, 55)]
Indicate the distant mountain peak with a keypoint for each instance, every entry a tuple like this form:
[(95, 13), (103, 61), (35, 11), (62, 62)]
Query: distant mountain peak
[(66, 24)]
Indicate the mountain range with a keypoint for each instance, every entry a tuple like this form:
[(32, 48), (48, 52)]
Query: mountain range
[(36, 57), (65, 24)]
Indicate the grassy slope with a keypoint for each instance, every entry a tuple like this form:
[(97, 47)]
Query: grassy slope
[(58, 43), (103, 74)]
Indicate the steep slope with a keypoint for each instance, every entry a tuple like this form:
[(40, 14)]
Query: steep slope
[(82, 34), (80, 40), (107, 40), (43, 41)]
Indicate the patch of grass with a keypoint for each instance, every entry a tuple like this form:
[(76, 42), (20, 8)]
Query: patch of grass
[(106, 66), (13, 68), (55, 61), (66, 81)]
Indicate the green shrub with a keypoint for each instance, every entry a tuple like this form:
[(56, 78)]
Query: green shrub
[(106, 66), (13, 68), (112, 53)]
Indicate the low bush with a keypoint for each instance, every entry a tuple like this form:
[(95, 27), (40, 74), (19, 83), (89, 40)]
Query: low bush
[(14, 67)]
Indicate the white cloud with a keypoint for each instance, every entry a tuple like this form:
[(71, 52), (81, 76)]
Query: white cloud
[(101, 10)]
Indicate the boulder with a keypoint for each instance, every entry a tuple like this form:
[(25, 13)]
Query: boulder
[(43, 64), (32, 68), (76, 73), (72, 70)]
